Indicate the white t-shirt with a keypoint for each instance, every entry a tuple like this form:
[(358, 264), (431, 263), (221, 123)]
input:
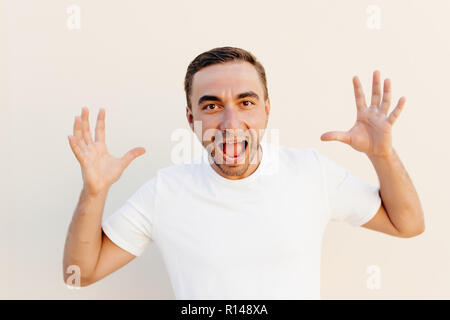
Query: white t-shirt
[(254, 238)]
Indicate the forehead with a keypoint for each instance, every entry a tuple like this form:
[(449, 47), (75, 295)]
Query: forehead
[(229, 77)]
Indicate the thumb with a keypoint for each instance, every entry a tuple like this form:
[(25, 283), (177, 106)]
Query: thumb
[(131, 155), (341, 136)]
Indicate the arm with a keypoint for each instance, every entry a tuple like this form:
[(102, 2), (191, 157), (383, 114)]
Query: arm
[(399, 198), (400, 213), (87, 247)]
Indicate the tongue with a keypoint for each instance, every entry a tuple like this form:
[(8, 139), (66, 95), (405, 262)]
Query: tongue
[(233, 149)]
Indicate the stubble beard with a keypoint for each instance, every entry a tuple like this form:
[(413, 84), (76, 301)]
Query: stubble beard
[(239, 169)]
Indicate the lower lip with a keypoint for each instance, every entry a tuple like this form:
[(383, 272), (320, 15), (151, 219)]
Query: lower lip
[(239, 158)]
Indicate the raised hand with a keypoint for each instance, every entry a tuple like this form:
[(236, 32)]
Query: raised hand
[(99, 169), (372, 130)]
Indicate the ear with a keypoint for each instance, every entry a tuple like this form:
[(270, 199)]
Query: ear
[(190, 118), (268, 107)]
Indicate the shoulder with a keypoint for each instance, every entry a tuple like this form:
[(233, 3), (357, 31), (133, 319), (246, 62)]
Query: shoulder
[(302, 156), (292, 160), (178, 173)]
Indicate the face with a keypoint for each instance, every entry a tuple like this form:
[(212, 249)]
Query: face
[(228, 101)]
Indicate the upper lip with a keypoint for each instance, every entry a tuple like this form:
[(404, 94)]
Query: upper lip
[(233, 141)]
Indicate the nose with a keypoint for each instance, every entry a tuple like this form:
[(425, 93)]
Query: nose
[(231, 119)]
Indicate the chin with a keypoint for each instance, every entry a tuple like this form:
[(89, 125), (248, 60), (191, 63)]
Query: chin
[(233, 170)]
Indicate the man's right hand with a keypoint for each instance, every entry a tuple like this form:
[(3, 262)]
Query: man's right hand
[(99, 169)]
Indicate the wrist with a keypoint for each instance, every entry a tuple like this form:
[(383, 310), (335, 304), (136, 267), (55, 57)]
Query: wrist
[(385, 156), (94, 192)]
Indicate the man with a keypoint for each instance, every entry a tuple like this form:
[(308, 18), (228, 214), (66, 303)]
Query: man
[(247, 223)]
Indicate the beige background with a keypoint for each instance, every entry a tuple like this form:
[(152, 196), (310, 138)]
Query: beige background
[(130, 57)]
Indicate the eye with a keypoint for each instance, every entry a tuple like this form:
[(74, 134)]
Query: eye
[(248, 105), (208, 105)]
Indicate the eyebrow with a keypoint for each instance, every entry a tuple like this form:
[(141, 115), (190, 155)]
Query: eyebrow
[(239, 96)]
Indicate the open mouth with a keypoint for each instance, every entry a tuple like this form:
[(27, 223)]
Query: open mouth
[(233, 151)]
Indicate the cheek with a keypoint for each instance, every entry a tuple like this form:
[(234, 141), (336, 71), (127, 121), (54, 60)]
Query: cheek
[(256, 119), (204, 126), (209, 131), (258, 124)]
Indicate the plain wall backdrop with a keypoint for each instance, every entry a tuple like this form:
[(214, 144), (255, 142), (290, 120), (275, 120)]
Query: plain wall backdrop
[(130, 57)]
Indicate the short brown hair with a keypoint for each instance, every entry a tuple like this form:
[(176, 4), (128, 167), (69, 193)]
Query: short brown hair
[(221, 55)]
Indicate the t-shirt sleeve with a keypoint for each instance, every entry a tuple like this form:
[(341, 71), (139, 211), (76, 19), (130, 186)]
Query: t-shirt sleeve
[(350, 198), (131, 226)]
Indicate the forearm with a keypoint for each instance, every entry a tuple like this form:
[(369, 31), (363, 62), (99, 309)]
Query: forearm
[(398, 194), (84, 237)]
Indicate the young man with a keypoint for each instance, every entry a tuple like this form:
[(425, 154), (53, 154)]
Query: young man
[(247, 222)]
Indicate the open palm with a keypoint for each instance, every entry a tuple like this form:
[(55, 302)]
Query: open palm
[(372, 130), (99, 168)]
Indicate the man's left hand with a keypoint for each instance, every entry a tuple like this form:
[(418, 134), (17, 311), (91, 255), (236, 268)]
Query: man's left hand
[(371, 132)]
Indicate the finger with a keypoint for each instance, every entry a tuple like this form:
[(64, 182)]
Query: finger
[(85, 126), (100, 127), (75, 147), (376, 93), (341, 136), (397, 110), (386, 103), (359, 93), (131, 155), (78, 133)]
